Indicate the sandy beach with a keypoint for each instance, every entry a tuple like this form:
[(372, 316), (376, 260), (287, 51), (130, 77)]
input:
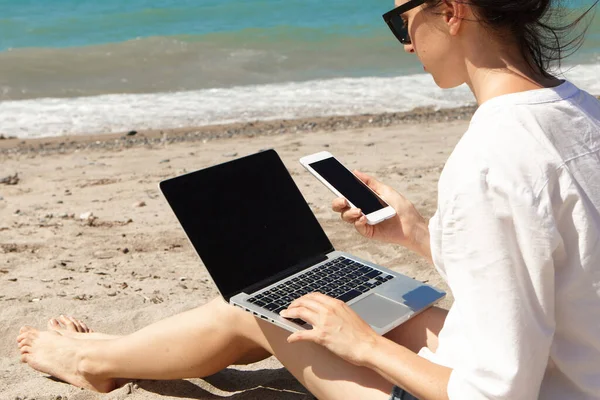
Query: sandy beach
[(84, 231)]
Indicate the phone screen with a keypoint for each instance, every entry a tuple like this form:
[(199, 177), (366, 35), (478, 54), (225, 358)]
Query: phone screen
[(352, 188)]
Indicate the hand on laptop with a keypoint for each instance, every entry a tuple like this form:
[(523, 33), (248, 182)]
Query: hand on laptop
[(407, 228), (335, 326)]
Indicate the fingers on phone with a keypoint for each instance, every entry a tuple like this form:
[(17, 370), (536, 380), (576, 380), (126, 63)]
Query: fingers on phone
[(340, 204), (352, 215)]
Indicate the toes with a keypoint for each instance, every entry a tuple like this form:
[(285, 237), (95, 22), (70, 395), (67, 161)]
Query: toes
[(78, 325), (27, 336), (68, 324), (75, 324), (25, 350), (25, 358), (53, 324), (25, 342), (25, 329), (84, 327)]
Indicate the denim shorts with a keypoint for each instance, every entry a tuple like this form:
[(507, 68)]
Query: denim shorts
[(401, 394)]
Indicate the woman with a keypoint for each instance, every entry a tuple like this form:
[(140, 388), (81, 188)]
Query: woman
[(516, 235)]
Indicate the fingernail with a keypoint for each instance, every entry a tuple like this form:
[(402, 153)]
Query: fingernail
[(283, 312)]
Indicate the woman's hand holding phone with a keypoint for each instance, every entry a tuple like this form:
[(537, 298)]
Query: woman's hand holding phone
[(407, 228)]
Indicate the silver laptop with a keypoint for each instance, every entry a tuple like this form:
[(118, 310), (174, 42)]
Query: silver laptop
[(263, 247)]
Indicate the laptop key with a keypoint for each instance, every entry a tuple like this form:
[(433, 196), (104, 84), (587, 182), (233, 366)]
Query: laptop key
[(260, 303), (280, 309), (363, 289), (271, 307), (251, 300), (269, 299), (346, 297), (355, 283), (373, 274)]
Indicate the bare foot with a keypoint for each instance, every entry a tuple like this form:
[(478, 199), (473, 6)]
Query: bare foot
[(74, 328), (59, 356)]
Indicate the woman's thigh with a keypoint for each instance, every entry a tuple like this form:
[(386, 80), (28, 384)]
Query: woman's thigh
[(324, 374), (420, 331)]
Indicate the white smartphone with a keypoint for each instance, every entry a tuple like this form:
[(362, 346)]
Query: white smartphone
[(341, 181)]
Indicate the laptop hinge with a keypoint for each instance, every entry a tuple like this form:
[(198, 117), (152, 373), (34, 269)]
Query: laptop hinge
[(283, 274)]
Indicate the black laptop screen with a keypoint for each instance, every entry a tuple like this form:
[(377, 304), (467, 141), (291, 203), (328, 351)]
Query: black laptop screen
[(246, 219)]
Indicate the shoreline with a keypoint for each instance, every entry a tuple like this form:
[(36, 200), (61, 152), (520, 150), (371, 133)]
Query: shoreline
[(134, 138)]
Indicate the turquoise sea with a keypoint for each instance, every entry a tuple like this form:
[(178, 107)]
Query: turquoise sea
[(81, 66)]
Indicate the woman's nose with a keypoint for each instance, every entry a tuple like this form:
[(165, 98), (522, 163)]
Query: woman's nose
[(409, 48)]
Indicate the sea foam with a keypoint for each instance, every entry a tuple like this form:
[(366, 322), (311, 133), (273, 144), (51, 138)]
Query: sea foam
[(341, 96)]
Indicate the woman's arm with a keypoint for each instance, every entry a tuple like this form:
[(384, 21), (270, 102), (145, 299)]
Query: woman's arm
[(415, 374)]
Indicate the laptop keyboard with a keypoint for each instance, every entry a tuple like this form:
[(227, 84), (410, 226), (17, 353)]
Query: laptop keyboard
[(342, 278)]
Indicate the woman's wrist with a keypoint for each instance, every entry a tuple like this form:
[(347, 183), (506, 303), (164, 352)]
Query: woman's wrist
[(371, 351), (419, 240), (422, 240)]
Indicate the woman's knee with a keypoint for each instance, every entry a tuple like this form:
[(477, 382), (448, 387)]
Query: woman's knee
[(230, 316)]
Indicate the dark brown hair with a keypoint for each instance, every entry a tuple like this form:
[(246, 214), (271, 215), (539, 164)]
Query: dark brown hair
[(545, 31)]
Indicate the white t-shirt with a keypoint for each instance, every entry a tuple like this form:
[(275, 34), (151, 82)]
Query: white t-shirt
[(517, 236)]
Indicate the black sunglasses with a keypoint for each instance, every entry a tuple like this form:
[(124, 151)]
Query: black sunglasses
[(394, 20)]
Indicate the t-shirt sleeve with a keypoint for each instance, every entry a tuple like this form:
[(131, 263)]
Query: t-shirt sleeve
[(496, 245)]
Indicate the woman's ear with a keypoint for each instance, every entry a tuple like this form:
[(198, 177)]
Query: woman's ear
[(454, 13)]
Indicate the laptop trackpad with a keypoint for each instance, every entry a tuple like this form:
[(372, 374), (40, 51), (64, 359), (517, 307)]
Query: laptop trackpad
[(379, 311)]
